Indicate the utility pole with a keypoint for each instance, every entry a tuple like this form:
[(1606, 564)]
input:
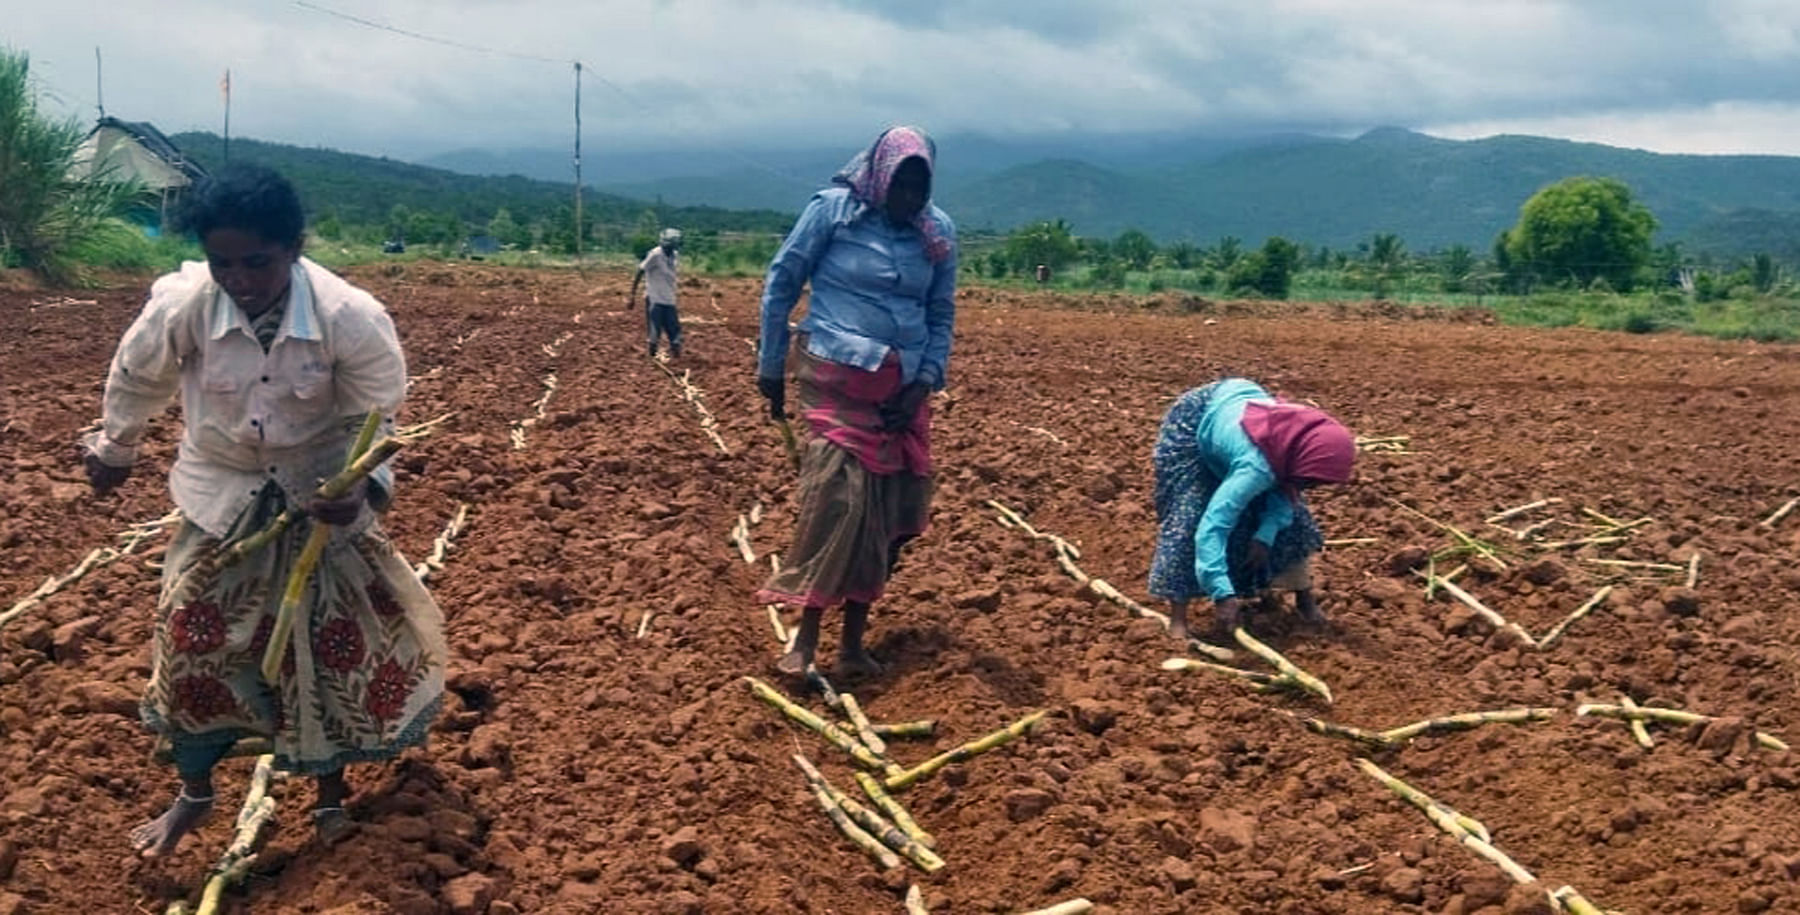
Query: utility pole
[(579, 265)]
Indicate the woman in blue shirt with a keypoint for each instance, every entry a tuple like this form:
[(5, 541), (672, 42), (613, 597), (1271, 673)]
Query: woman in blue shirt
[(872, 347), (1230, 463)]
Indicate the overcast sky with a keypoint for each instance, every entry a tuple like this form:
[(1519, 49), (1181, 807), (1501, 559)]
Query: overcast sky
[(1716, 76)]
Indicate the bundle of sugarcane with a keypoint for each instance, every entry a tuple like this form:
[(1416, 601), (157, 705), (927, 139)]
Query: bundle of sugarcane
[(897, 781), (1467, 721), (373, 456), (1288, 669), (825, 729), (1670, 716), (868, 843), (1262, 680), (895, 812), (302, 571), (923, 728), (440, 548), (1466, 830), (1556, 631), (872, 823), (258, 813)]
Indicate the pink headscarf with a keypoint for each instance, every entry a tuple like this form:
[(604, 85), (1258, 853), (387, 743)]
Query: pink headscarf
[(1302, 444), (872, 170)]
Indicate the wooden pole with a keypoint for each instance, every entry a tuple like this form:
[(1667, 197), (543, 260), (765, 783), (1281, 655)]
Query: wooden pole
[(579, 263)]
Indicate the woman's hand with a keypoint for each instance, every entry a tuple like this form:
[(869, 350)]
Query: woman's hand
[(898, 412), (774, 390), (340, 511), (1258, 555)]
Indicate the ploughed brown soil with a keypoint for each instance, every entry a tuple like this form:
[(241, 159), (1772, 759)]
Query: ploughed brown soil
[(580, 768)]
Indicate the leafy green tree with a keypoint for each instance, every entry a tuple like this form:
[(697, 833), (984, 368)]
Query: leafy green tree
[(1183, 255), (505, 230), (1763, 273), (1269, 271), (1047, 243), (1456, 266), (1134, 249), (49, 222), (1387, 261), (1582, 229), (1227, 252)]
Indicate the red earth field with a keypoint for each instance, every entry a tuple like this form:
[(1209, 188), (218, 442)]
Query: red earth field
[(581, 768)]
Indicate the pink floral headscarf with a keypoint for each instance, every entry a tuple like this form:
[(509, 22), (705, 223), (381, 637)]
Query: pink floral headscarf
[(1301, 443), (872, 170)]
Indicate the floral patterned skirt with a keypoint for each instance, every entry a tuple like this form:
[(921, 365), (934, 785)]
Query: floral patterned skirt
[(363, 677)]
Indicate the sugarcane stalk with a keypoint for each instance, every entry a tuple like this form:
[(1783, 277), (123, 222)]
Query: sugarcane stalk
[(1636, 564), (440, 548), (1557, 630), (831, 732), (1014, 517), (1467, 831), (1288, 669), (1597, 540), (775, 622), (924, 727), (1068, 565), (871, 822), (756, 513), (1488, 613), (1693, 570), (1072, 907), (740, 536), (1468, 721), (1781, 513), (1526, 532), (865, 730), (895, 812), (1254, 676), (1353, 541), (1606, 520), (856, 834), (1571, 901), (915, 901), (1671, 716), (644, 623), (1520, 510), (789, 443), (1639, 731), (234, 863), (967, 751), (1330, 729), (1106, 590)]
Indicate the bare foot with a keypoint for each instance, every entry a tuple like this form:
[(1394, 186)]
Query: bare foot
[(1227, 615), (858, 664), (332, 825), (158, 838), (1179, 629)]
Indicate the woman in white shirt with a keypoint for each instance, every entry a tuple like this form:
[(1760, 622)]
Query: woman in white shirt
[(276, 362)]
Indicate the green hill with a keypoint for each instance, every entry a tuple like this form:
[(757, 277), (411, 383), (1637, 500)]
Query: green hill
[(361, 190)]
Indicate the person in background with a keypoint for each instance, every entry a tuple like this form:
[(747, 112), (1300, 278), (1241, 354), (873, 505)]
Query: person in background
[(277, 364), (658, 269), (1231, 462), (873, 346)]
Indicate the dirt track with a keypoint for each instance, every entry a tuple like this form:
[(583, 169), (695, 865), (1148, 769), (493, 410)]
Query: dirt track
[(572, 752)]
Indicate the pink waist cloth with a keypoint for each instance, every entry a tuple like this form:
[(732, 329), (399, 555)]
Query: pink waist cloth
[(842, 404)]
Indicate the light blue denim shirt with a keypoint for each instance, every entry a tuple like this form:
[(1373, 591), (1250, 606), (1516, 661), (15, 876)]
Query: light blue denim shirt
[(1243, 475), (873, 291)]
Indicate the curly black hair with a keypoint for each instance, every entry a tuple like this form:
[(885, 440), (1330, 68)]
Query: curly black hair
[(253, 198)]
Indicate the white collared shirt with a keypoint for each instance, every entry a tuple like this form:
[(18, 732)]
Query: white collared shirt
[(659, 276), (252, 417)]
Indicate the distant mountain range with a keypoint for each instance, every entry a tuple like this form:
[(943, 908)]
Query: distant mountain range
[(1338, 192)]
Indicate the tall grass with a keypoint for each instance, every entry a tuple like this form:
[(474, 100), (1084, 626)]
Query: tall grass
[(55, 225)]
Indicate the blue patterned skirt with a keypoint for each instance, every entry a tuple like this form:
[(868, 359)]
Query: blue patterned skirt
[(1184, 486)]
